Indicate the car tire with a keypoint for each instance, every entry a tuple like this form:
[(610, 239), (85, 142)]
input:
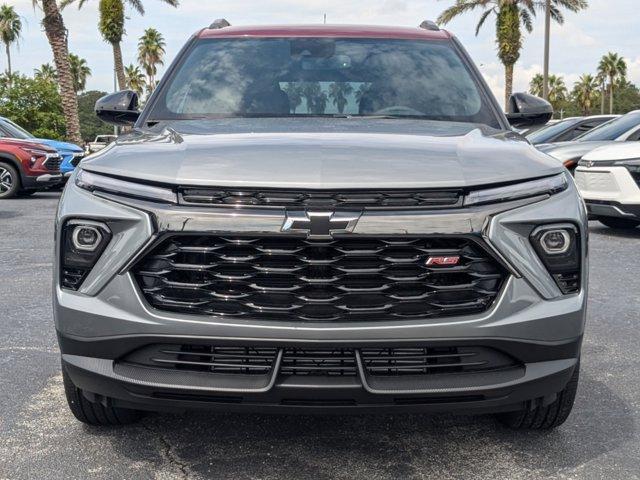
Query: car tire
[(545, 417), (95, 413), (613, 222), (9, 181)]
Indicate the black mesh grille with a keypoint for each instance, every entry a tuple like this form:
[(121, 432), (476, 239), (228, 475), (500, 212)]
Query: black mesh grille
[(207, 358), (319, 361), (53, 163), (431, 360), (344, 279), (328, 199), (76, 159), (327, 361)]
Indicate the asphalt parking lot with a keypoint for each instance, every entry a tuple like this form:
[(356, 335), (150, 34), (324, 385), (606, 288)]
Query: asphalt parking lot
[(39, 438)]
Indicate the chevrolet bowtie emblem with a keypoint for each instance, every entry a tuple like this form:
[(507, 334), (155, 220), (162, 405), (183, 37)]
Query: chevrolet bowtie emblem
[(320, 224)]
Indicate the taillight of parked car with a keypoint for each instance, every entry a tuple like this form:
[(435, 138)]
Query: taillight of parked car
[(558, 246), (83, 241)]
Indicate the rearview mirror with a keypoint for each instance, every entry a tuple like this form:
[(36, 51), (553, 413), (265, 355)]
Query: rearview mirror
[(120, 108), (526, 110)]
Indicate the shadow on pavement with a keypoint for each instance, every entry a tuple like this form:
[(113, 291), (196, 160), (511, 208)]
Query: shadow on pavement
[(254, 446)]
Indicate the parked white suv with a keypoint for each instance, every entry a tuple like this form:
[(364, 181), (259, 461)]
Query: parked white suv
[(609, 180)]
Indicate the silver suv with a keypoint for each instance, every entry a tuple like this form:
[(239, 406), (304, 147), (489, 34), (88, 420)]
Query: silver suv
[(321, 219)]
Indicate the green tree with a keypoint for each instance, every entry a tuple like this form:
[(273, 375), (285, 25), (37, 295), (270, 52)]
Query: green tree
[(80, 72), (35, 104), (134, 79), (90, 124), (150, 55), (56, 32), (627, 97), (111, 24), (10, 29), (585, 93), (338, 93), (557, 89), (613, 67), (46, 72), (510, 16)]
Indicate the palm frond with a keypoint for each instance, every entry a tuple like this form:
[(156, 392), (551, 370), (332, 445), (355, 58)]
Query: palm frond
[(483, 19), (137, 6), (527, 21), (460, 7)]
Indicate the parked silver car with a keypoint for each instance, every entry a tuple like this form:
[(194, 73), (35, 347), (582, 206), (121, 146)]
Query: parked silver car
[(325, 219)]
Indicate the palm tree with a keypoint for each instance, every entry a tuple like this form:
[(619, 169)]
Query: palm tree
[(294, 92), (10, 28), (510, 15), (557, 88), (150, 53), (362, 90), (536, 85), (134, 79), (57, 35), (80, 72), (557, 91), (46, 72), (111, 26), (613, 67), (585, 91), (338, 93)]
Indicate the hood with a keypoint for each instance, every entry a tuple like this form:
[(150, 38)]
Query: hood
[(31, 143), (61, 147), (323, 153), (617, 151), (564, 151)]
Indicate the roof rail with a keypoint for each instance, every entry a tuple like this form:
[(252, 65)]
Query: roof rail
[(220, 23), (430, 25)]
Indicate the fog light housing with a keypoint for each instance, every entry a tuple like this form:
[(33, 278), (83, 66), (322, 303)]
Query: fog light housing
[(86, 238), (555, 242), (83, 242), (558, 246)]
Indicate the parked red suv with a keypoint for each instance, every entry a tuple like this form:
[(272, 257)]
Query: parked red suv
[(26, 167)]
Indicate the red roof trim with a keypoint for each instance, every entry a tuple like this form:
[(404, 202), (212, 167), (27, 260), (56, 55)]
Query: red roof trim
[(336, 31)]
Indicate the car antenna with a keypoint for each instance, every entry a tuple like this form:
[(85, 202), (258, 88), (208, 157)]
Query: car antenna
[(220, 23), (430, 25)]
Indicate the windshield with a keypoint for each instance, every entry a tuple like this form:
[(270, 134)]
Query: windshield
[(323, 77), (613, 129), (13, 130), (543, 135)]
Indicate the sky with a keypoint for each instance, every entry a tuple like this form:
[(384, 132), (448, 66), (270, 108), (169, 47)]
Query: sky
[(608, 25)]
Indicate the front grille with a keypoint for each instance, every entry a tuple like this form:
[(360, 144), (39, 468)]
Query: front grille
[(321, 199), (319, 362), (343, 279), (431, 360), (53, 163), (75, 159)]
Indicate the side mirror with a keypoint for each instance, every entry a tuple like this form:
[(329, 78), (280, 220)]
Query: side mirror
[(120, 108), (526, 110)]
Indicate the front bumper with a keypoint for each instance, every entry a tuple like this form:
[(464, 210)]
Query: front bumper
[(531, 320), (609, 191), (44, 180)]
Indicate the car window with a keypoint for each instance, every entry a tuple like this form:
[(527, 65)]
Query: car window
[(549, 132), (323, 77), (613, 129), (634, 137), (14, 130)]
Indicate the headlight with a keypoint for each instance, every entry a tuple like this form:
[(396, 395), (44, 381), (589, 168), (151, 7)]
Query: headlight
[(96, 182), (83, 241), (542, 186)]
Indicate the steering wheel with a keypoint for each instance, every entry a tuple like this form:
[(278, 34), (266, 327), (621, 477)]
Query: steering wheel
[(399, 110)]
